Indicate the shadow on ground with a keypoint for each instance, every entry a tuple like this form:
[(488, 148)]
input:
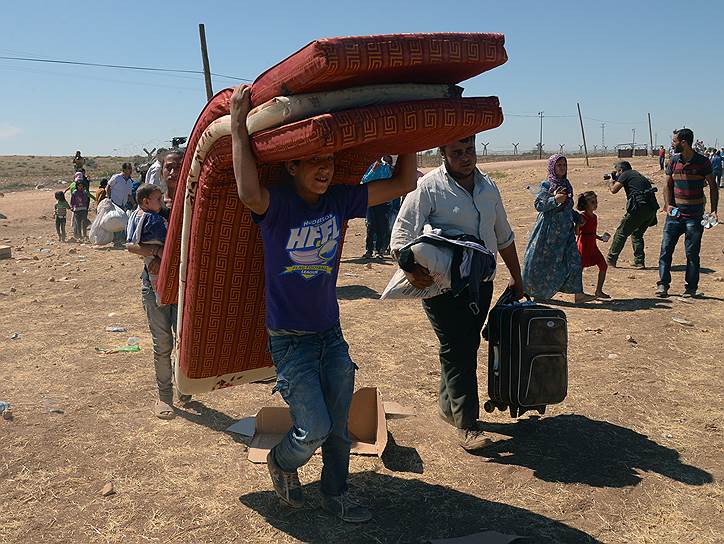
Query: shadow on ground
[(616, 305), (408, 511), (387, 261), (575, 449), (682, 268), (200, 414), (401, 458), (356, 292)]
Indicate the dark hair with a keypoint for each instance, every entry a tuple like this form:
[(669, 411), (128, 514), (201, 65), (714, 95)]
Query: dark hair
[(145, 190), (173, 151), (685, 135), (60, 196), (127, 166), (622, 165), (465, 140), (103, 182), (583, 200)]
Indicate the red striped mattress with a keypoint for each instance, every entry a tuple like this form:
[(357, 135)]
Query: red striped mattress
[(335, 63)]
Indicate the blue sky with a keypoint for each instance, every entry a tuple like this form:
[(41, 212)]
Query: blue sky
[(619, 62)]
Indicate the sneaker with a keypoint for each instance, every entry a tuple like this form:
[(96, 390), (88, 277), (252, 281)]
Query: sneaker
[(662, 291), (612, 264), (639, 266), (473, 439), (379, 255), (286, 484), (367, 255), (692, 294), (346, 508)]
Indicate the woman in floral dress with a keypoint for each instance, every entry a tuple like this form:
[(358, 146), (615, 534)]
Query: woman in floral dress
[(552, 263)]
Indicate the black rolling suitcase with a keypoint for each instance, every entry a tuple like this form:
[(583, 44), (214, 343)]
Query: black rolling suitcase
[(527, 356)]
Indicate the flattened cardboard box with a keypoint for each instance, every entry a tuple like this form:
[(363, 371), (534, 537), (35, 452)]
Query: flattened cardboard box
[(367, 425), (5, 252)]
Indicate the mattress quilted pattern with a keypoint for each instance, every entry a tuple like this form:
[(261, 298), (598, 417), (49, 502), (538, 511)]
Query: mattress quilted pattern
[(334, 63)]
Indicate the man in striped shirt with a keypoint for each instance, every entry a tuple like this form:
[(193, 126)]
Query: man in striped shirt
[(684, 201)]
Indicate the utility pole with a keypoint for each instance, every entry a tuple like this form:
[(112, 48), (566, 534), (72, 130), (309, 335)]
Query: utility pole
[(205, 59), (603, 135), (633, 138), (540, 140), (583, 133), (561, 146), (651, 138), (485, 148), (515, 148)]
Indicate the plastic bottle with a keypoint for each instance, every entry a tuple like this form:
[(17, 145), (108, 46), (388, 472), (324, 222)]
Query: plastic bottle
[(134, 341)]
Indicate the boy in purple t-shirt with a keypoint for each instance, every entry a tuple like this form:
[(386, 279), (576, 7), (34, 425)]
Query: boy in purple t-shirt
[(301, 225)]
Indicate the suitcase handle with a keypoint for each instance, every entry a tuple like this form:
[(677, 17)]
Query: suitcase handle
[(507, 297)]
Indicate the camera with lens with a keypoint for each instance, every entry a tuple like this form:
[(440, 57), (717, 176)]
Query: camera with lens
[(613, 175)]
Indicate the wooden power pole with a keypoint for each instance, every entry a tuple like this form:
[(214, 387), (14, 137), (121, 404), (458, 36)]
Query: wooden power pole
[(651, 138), (583, 134), (205, 58)]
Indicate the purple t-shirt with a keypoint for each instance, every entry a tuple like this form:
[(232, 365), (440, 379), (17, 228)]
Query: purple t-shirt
[(301, 242)]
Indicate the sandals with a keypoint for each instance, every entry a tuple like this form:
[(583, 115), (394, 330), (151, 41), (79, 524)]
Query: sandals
[(163, 411)]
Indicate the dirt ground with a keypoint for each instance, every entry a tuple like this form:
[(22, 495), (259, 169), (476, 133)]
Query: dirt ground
[(634, 454)]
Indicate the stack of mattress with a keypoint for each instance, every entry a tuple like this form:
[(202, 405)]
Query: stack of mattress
[(356, 97)]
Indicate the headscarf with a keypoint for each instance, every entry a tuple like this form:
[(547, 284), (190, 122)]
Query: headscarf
[(555, 181)]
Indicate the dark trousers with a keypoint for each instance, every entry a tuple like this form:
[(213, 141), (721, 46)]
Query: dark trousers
[(661, 162), (80, 224), (378, 228), (717, 177), (633, 225), (692, 230), (458, 330), (60, 228)]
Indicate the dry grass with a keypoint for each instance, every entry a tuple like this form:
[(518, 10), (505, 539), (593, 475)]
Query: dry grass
[(19, 172), (632, 456)]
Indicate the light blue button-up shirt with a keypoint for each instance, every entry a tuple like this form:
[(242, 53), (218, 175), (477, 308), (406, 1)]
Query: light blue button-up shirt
[(443, 203)]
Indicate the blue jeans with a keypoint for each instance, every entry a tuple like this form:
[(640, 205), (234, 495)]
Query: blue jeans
[(162, 325), (315, 376), (692, 230)]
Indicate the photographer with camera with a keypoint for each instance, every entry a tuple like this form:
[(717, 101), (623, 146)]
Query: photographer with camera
[(641, 209)]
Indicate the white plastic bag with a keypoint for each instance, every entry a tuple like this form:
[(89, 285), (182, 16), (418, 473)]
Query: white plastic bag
[(97, 235), (437, 260), (114, 219)]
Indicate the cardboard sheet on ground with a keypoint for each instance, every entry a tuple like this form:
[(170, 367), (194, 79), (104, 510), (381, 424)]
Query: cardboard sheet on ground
[(367, 425), (486, 537)]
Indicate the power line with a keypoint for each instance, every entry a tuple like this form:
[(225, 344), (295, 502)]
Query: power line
[(117, 66)]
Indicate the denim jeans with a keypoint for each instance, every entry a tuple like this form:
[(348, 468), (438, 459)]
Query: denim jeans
[(315, 376), (692, 230), (378, 228), (162, 324)]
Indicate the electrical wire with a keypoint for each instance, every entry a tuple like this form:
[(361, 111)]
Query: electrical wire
[(117, 66)]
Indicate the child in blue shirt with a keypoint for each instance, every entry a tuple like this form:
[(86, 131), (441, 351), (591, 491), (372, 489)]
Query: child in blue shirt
[(301, 226), (146, 225)]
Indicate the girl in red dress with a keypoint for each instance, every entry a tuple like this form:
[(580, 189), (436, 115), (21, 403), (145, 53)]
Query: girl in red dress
[(587, 236)]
